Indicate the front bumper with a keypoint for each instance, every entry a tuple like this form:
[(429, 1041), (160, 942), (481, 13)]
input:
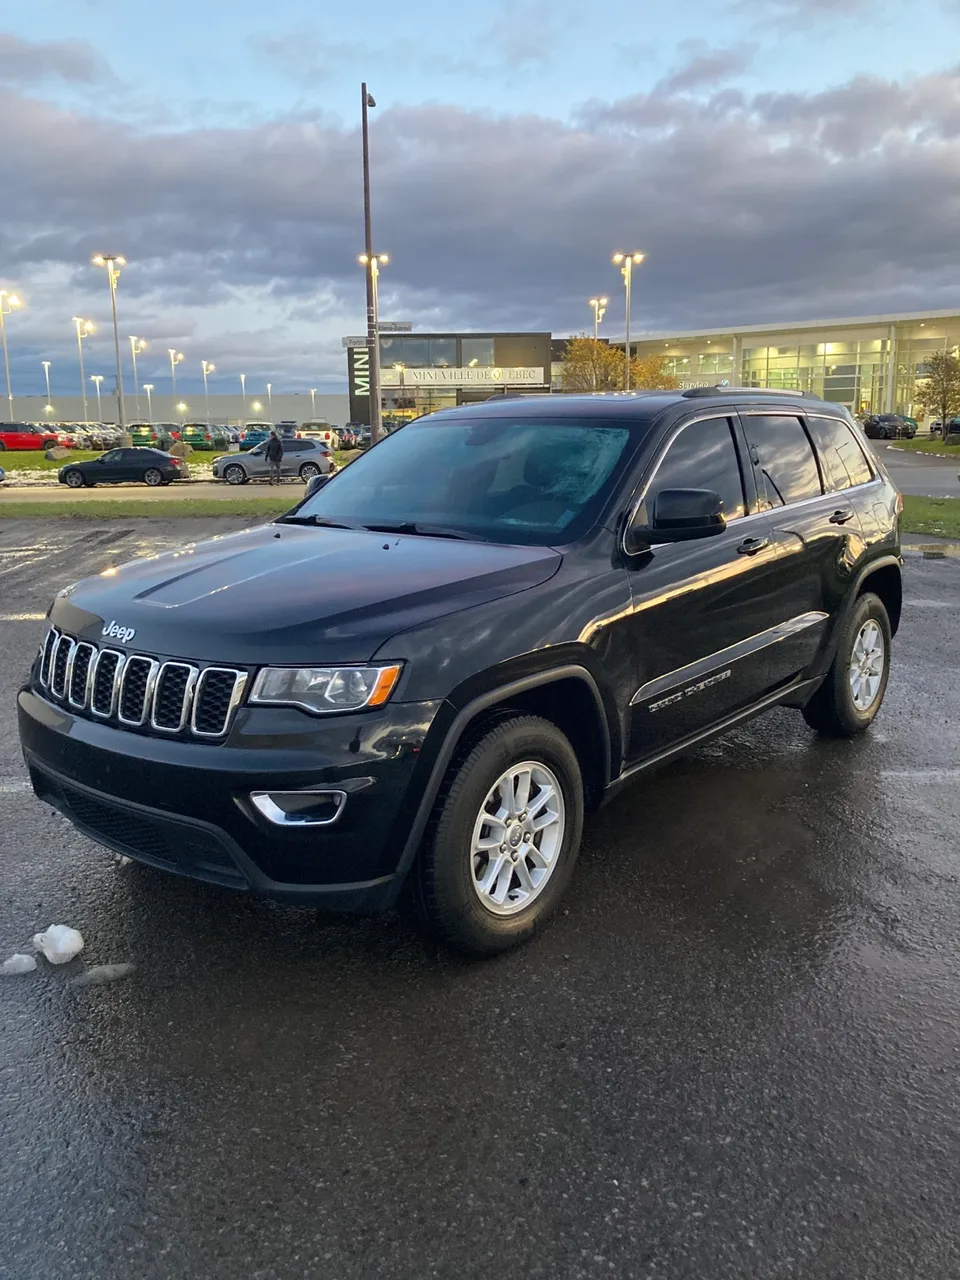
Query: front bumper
[(185, 806)]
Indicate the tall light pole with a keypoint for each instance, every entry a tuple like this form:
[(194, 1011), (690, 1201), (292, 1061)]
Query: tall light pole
[(113, 262), (148, 388), (371, 263), (46, 374), (207, 368), (599, 307), (176, 357), (626, 262), (97, 378), (9, 302), (136, 346), (400, 368), (243, 392), (313, 402), (270, 401), (84, 329)]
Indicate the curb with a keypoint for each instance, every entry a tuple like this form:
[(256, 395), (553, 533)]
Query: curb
[(925, 453)]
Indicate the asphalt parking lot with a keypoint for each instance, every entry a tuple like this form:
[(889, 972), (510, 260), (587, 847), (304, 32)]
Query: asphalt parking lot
[(735, 1054), (922, 474)]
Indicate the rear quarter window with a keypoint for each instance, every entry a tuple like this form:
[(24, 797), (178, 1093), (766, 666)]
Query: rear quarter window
[(843, 460)]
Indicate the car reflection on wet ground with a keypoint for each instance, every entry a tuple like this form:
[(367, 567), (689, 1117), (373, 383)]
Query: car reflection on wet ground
[(734, 1053)]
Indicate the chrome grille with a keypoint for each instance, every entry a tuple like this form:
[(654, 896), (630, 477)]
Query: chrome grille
[(139, 691)]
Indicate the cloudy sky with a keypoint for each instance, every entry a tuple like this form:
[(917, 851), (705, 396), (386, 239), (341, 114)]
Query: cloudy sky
[(776, 159)]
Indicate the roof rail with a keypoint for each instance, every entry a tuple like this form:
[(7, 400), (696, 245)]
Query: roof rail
[(695, 393)]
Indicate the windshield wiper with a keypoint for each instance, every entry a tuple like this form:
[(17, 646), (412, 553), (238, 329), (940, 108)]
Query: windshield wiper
[(321, 521), (424, 530)]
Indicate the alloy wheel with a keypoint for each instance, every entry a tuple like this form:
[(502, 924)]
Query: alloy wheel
[(866, 665), (517, 838)]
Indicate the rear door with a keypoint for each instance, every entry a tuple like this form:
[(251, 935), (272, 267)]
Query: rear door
[(700, 616), (293, 451), (816, 538)]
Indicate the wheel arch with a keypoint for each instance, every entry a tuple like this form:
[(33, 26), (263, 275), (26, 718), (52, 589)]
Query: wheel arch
[(567, 696), (884, 578)]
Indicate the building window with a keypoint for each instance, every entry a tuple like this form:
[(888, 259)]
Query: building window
[(476, 352), (443, 353)]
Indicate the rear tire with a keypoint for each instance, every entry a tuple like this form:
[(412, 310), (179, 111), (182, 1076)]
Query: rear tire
[(846, 704), (153, 477), (308, 471), (463, 866)]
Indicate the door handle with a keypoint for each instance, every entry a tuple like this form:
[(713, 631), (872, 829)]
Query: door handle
[(750, 546), (841, 516)]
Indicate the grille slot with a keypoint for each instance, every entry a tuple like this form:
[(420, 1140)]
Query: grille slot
[(48, 646), (82, 659), (106, 676), (219, 689), (137, 690), (61, 665)]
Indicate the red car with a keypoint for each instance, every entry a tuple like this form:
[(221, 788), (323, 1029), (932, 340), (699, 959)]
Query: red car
[(23, 435)]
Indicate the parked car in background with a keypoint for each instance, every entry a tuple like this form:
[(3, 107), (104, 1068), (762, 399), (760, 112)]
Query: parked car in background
[(154, 435), (318, 429), (25, 435), (301, 458), (363, 436), (348, 438), (199, 436), (888, 426), (254, 433), (120, 466)]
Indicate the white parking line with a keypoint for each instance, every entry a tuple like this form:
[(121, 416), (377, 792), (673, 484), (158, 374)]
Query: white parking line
[(14, 786), (921, 775), (929, 604), (22, 617)]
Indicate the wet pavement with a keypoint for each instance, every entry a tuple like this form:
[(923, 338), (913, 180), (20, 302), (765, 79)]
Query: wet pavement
[(735, 1054), (922, 474)]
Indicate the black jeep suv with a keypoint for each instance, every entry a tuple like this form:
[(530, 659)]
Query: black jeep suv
[(426, 672)]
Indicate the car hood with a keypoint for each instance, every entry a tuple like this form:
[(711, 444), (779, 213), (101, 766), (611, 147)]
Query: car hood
[(288, 594)]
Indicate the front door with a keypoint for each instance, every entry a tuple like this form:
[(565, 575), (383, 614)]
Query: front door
[(699, 616)]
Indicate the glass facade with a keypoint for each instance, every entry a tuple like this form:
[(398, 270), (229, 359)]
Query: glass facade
[(871, 366)]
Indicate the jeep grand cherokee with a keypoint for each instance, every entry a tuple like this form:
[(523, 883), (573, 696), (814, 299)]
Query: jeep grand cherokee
[(424, 674)]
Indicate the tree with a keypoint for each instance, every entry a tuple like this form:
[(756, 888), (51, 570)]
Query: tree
[(589, 365), (939, 392)]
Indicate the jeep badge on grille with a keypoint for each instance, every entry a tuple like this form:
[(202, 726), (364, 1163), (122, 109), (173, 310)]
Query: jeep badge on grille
[(112, 631)]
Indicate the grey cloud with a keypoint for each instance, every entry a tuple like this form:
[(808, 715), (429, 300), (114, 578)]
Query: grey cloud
[(750, 207), (706, 67), (302, 56), (793, 14), (25, 62), (522, 34)]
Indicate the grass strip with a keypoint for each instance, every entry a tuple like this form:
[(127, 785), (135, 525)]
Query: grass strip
[(928, 446), (939, 517)]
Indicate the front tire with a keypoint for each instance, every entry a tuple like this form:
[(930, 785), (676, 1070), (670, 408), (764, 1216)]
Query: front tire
[(850, 697), (504, 838), (234, 474)]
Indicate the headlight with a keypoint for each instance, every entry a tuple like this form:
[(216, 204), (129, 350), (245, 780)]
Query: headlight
[(326, 689)]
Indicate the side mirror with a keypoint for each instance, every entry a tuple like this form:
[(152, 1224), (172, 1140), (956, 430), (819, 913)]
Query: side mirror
[(678, 515), (315, 483)]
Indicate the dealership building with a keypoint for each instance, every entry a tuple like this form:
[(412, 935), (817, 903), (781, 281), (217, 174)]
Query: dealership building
[(871, 364)]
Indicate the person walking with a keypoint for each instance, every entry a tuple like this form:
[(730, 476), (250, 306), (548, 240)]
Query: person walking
[(274, 456)]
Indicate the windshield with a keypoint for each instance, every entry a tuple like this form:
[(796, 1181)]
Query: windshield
[(523, 481)]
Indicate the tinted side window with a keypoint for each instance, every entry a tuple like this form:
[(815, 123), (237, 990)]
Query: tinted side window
[(114, 455), (843, 462), (703, 456), (788, 466)]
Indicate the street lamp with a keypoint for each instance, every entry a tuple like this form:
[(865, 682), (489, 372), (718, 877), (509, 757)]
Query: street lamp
[(599, 307), (313, 402), (98, 378), (112, 262), (46, 374), (207, 368), (400, 367), (373, 262), (148, 388), (182, 410), (136, 346), (243, 392), (270, 401), (9, 302), (84, 329), (626, 262), (176, 357)]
